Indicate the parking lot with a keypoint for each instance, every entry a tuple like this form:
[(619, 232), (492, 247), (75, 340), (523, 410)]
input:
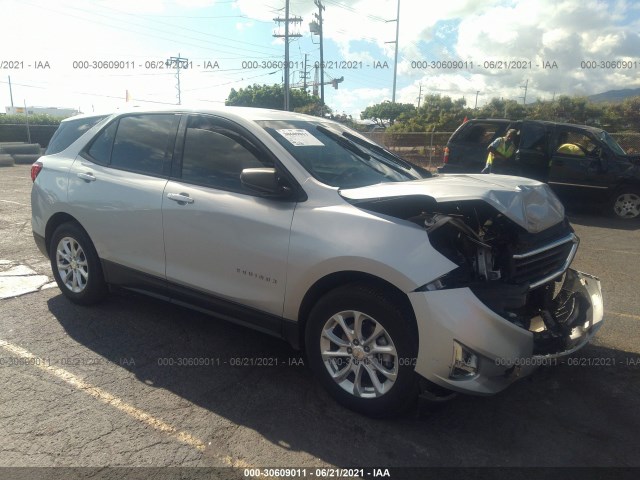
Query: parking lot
[(117, 385)]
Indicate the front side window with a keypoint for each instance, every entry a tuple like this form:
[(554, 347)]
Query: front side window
[(337, 156), (144, 142), (215, 155), (574, 143)]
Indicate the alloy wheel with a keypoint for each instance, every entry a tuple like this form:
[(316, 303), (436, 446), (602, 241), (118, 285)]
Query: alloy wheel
[(72, 264), (359, 354)]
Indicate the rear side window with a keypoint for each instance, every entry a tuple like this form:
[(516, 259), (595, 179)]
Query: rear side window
[(479, 133), (69, 131), (144, 142)]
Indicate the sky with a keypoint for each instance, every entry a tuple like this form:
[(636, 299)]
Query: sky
[(64, 53)]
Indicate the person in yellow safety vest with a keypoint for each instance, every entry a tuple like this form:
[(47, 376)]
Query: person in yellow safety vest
[(502, 147), (571, 149)]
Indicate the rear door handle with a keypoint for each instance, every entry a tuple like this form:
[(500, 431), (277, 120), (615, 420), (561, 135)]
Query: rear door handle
[(87, 177), (181, 198)]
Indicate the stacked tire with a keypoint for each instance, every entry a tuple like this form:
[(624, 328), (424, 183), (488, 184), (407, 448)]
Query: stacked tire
[(12, 153)]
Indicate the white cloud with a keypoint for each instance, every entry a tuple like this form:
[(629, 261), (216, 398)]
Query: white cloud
[(240, 26)]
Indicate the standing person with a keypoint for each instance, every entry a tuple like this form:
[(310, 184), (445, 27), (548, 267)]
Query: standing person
[(501, 148)]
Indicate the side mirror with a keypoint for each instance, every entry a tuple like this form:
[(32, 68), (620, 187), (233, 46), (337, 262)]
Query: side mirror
[(264, 181)]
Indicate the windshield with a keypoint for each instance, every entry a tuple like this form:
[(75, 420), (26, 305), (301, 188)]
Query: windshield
[(613, 145), (337, 156)]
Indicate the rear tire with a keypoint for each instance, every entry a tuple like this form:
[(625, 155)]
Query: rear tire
[(625, 204), (362, 345), (76, 266)]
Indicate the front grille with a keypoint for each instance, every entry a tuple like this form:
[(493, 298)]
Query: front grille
[(543, 264)]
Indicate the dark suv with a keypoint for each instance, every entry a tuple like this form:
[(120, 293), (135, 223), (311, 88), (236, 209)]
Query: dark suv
[(582, 164)]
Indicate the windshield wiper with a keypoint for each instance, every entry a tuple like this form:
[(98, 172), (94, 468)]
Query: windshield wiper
[(345, 142)]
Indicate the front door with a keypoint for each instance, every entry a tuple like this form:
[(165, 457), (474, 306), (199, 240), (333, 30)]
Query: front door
[(220, 238), (575, 167)]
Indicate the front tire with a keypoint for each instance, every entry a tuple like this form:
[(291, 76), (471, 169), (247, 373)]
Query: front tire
[(625, 204), (362, 345), (76, 266)]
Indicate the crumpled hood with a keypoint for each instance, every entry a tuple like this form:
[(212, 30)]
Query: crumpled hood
[(529, 203)]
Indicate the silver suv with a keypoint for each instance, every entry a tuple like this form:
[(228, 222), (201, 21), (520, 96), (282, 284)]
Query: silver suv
[(394, 282)]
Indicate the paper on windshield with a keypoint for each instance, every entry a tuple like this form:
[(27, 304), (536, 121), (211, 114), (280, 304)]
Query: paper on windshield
[(300, 137)]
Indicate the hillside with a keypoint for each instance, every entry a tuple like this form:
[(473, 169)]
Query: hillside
[(615, 95)]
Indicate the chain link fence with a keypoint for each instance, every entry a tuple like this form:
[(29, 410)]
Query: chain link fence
[(427, 149), (424, 149), (630, 142)]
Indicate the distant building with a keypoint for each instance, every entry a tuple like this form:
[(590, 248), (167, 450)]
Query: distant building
[(53, 111)]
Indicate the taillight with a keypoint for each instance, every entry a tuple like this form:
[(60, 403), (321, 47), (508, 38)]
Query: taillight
[(35, 170), (446, 155)]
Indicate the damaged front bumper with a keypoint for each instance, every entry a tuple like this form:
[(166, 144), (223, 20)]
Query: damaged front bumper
[(467, 347)]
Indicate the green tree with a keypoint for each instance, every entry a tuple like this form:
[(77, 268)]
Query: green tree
[(387, 112), (437, 112), (272, 96)]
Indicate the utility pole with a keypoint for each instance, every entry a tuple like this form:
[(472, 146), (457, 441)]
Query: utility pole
[(318, 3), (305, 74), (10, 91), (395, 62), (477, 93), (419, 96), (26, 117), (178, 63), (524, 98), (286, 36)]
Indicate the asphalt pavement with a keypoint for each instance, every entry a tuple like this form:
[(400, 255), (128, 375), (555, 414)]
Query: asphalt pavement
[(138, 382)]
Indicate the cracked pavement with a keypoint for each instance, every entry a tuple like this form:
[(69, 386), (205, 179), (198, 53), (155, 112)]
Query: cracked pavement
[(569, 415)]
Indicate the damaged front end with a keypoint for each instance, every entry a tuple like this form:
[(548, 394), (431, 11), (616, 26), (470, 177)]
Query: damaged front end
[(512, 303), (523, 277)]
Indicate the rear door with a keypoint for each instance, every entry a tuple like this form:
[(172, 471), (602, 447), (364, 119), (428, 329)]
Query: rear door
[(468, 145), (532, 158), (221, 239), (115, 192)]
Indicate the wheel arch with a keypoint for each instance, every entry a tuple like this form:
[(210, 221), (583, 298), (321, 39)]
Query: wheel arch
[(339, 279), (54, 222)]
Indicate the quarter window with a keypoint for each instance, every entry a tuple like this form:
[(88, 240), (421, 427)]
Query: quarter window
[(215, 156), (100, 149)]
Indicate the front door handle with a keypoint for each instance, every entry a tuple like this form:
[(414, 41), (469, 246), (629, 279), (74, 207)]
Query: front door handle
[(87, 177), (181, 198)]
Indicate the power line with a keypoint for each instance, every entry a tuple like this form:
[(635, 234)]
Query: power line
[(168, 39), (207, 34)]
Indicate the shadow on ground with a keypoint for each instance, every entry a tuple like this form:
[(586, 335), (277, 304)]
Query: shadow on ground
[(562, 416)]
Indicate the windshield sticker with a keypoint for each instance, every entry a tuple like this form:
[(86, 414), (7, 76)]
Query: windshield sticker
[(300, 137)]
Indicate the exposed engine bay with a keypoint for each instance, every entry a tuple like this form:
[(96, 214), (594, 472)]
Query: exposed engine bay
[(520, 275)]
